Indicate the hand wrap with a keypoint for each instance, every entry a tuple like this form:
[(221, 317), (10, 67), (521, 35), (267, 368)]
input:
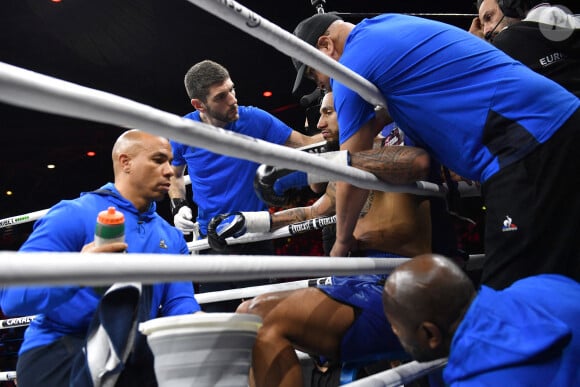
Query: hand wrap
[(183, 217), (235, 225)]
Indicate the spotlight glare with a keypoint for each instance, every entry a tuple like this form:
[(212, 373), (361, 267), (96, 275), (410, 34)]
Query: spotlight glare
[(51, 166), (267, 94), (91, 153)]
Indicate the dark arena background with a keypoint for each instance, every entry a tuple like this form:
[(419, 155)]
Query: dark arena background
[(141, 49)]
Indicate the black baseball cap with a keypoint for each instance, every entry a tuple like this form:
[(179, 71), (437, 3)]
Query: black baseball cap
[(310, 30)]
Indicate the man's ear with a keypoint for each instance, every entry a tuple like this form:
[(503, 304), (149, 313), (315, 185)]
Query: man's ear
[(197, 104), (431, 335), (325, 44), (125, 162)]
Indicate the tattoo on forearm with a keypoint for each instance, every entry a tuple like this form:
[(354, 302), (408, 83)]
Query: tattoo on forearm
[(392, 164), (290, 216)]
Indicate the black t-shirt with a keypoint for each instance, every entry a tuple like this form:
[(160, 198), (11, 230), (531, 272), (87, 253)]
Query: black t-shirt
[(557, 60)]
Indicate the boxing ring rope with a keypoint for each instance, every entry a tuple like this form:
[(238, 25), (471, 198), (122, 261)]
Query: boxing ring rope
[(16, 322), (35, 91), (60, 268), (282, 232), (33, 216), (7, 376), (475, 262), (465, 190), (400, 375), (257, 26), (21, 219), (394, 377)]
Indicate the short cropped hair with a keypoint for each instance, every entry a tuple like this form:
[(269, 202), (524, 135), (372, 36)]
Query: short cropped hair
[(201, 76)]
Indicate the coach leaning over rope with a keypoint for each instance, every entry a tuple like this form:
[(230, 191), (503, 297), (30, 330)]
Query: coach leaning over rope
[(478, 112)]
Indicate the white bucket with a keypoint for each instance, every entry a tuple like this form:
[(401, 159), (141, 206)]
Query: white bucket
[(202, 349)]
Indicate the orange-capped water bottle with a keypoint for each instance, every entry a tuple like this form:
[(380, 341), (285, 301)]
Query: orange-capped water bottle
[(110, 227)]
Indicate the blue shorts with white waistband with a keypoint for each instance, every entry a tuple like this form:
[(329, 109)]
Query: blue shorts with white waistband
[(370, 337)]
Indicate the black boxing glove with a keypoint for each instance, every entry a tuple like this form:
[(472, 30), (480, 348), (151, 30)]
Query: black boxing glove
[(267, 176), (270, 183), (264, 180), (235, 225)]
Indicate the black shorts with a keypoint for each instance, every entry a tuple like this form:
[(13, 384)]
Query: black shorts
[(49, 365), (533, 212)]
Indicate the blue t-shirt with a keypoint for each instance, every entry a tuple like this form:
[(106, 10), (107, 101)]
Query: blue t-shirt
[(471, 106), (68, 226), (525, 335), (222, 184)]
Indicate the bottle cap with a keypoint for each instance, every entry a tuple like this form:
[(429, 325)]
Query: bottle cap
[(111, 216)]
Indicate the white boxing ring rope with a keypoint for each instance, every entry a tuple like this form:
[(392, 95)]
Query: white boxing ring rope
[(400, 375), (16, 322), (21, 219), (40, 92), (282, 232), (61, 268), (391, 378), (474, 262), (7, 376), (257, 26), (465, 190), (32, 216)]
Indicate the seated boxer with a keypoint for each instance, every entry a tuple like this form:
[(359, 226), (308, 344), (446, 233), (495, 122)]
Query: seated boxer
[(344, 321)]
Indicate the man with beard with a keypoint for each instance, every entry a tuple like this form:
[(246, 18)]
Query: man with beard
[(342, 321), (526, 334), (221, 183)]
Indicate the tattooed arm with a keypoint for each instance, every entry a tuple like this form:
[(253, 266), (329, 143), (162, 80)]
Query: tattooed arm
[(324, 206), (393, 164)]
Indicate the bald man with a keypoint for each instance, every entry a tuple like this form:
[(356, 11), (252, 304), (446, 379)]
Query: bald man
[(477, 111), (57, 337), (527, 334)]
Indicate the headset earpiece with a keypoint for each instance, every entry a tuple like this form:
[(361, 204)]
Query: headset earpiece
[(514, 8)]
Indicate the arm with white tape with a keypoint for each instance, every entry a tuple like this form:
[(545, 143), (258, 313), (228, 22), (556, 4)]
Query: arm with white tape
[(235, 225), (282, 232)]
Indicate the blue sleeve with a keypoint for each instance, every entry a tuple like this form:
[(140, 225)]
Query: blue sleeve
[(178, 299), (178, 150), (63, 228), (296, 179), (352, 111), (271, 128), (25, 301)]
